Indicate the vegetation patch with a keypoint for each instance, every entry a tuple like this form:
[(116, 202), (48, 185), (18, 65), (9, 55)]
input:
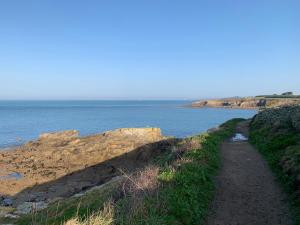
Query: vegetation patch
[(276, 133), (176, 188)]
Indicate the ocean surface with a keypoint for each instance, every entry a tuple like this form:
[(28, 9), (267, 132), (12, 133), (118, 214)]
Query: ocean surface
[(21, 121)]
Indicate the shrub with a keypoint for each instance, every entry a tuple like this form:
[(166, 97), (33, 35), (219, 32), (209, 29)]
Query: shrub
[(275, 132)]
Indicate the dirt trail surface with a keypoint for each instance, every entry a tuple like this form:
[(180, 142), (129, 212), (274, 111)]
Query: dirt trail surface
[(247, 192)]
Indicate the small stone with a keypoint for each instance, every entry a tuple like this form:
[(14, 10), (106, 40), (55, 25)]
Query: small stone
[(28, 207), (7, 202), (11, 216)]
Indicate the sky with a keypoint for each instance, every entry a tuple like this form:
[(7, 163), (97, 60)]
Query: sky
[(154, 49)]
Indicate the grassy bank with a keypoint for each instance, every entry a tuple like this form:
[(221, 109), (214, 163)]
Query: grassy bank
[(176, 188), (275, 132)]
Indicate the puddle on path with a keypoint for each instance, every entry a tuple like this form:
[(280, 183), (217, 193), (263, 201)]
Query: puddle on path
[(239, 137)]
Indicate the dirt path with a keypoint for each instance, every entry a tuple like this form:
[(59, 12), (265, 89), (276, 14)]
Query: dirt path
[(247, 193)]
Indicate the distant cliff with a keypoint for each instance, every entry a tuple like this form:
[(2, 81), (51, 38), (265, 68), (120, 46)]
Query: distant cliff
[(246, 103)]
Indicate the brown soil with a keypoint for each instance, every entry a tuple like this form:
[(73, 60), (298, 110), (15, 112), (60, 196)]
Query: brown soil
[(247, 192)]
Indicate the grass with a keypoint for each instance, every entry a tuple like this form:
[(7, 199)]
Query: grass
[(280, 147), (59, 212), (103, 217), (186, 184), (177, 188)]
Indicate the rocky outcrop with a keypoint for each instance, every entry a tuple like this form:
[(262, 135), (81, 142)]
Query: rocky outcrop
[(245, 103), (148, 134), (62, 164), (63, 135)]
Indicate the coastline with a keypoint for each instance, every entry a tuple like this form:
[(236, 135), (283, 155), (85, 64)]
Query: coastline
[(224, 107), (49, 167), (56, 159), (10, 148), (44, 182), (173, 117), (107, 175), (255, 103)]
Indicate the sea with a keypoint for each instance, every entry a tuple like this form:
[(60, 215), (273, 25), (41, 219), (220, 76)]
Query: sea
[(22, 121)]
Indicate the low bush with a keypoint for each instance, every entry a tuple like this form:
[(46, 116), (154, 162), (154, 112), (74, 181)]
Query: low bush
[(275, 132)]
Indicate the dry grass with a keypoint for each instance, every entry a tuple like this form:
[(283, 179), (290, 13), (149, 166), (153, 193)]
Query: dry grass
[(103, 217), (138, 186), (134, 188), (144, 181), (191, 143)]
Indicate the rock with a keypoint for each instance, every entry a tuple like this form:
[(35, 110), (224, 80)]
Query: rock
[(262, 103), (29, 207), (56, 199), (63, 135), (11, 216), (199, 104), (7, 202), (24, 208), (245, 103), (142, 133), (114, 180), (79, 195), (251, 104), (6, 210), (76, 162)]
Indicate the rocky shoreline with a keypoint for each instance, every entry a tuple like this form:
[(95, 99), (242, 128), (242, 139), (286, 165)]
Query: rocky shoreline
[(60, 165), (246, 103)]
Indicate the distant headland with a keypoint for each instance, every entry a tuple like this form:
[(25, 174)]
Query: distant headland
[(257, 102)]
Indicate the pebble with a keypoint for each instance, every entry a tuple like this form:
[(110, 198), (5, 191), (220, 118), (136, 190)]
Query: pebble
[(28, 207), (7, 202), (12, 216)]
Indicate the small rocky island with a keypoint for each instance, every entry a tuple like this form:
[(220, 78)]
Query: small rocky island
[(257, 102)]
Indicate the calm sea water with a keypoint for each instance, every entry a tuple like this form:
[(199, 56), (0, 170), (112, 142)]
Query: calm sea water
[(21, 121)]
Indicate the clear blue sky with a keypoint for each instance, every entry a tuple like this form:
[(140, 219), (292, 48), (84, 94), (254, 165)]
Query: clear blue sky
[(69, 49)]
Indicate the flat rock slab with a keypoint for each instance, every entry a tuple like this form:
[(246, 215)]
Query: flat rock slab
[(62, 164), (247, 192)]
